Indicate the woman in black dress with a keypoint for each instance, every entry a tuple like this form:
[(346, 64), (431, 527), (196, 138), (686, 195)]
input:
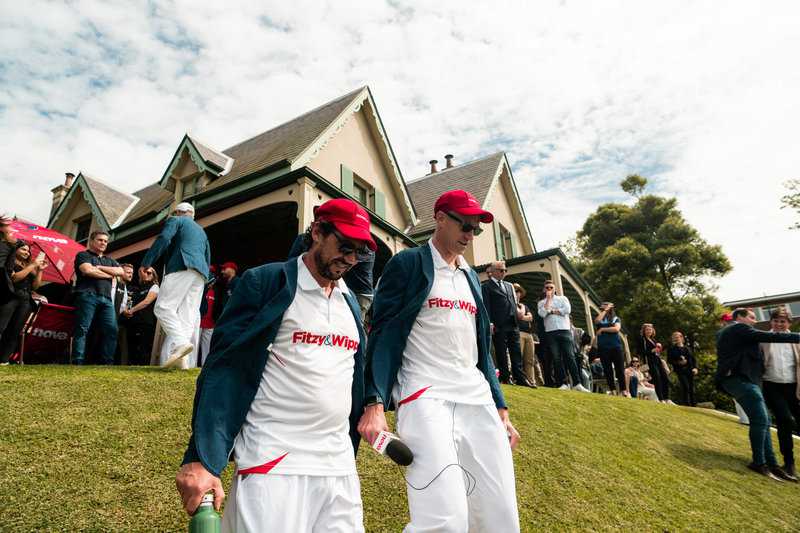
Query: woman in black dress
[(683, 363), (650, 351), (26, 277), (141, 320)]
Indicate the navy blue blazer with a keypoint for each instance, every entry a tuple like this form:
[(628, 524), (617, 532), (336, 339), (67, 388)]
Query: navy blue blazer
[(185, 244), (405, 283), (233, 369)]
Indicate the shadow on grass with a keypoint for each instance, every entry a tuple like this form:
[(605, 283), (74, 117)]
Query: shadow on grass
[(706, 458)]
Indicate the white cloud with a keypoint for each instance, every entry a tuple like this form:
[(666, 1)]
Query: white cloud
[(700, 97)]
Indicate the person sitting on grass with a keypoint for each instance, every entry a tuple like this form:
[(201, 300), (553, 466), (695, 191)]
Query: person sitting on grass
[(637, 383)]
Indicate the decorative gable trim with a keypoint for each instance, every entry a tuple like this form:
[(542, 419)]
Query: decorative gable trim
[(80, 183), (516, 204), (362, 99), (200, 162)]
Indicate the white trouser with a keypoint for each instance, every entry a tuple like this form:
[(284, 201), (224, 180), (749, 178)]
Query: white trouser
[(203, 345), (480, 495), (648, 393), (294, 504), (178, 310)]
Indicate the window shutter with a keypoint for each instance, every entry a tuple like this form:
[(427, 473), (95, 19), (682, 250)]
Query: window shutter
[(347, 180), (513, 247), (380, 204), (498, 241)]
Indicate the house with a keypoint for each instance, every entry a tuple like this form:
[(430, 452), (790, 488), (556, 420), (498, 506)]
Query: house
[(254, 197), (764, 305)]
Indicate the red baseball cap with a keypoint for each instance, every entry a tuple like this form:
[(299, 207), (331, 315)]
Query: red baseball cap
[(230, 264), (349, 219), (463, 203)]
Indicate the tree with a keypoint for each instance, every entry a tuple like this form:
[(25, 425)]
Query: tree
[(653, 265), (792, 200), (634, 185)]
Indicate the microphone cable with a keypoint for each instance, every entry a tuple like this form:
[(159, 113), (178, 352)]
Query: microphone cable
[(471, 480)]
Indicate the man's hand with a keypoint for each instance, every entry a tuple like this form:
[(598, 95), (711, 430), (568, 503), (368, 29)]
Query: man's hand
[(372, 422), (193, 482), (513, 434), (694, 371)]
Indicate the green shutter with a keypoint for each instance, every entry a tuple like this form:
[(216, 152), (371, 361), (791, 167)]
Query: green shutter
[(380, 204), (513, 248), (347, 180), (498, 241)]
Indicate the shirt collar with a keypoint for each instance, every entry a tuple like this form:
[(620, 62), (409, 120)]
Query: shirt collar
[(307, 282), (439, 262)]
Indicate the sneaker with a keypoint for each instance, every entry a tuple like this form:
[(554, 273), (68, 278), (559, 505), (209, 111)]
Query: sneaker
[(670, 402), (783, 474), (581, 388), (764, 470), (790, 469), (564, 387), (177, 355)]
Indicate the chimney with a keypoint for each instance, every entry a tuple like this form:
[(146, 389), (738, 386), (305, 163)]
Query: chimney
[(449, 159), (433, 166), (60, 192)]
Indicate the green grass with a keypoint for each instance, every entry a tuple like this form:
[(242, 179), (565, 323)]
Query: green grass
[(96, 449)]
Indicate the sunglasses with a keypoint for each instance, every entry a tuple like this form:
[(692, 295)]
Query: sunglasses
[(465, 226), (347, 247)]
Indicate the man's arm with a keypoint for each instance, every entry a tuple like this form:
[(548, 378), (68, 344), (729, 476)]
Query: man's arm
[(91, 271), (161, 243), (111, 270), (756, 335), (540, 309), (564, 307)]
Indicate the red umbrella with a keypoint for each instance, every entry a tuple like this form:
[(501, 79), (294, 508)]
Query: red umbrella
[(59, 249)]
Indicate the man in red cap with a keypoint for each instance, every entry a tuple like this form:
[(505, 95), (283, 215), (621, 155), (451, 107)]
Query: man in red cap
[(228, 274), (428, 354), (282, 390)]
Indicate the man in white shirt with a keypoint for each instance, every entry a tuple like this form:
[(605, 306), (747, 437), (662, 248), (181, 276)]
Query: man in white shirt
[(781, 385), (554, 310), (293, 430), (429, 352)]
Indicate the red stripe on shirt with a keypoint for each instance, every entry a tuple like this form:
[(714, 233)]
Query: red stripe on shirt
[(414, 396), (263, 469)]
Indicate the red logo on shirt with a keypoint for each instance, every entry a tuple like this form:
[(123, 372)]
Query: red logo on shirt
[(455, 305), (342, 341)]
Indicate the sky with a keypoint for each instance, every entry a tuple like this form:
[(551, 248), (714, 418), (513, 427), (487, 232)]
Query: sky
[(699, 97)]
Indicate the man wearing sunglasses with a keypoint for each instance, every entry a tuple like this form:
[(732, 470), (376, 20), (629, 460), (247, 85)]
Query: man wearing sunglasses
[(501, 303), (282, 390), (358, 278), (429, 355)]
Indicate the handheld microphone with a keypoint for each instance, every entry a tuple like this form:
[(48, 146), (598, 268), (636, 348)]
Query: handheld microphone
[(390, 444)]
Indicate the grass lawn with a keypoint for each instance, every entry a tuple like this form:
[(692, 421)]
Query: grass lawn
[(96, 449)]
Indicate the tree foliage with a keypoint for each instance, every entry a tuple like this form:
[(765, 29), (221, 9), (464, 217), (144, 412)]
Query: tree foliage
[(792, 200), (654, 265)]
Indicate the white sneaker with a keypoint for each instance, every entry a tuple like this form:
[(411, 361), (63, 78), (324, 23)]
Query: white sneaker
[(581, 388), (177, 355), (564, 387)]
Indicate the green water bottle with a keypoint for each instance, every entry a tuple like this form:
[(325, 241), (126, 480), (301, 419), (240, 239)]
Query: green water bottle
[(206, 519)]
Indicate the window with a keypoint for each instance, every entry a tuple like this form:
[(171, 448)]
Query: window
[(362, 193), (361, 189), (504, 242), (82, 227)]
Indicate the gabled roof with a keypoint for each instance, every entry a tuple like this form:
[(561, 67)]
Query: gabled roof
[(475, 176), (211, 156), (108, 204), (152, 199), (284, 143)]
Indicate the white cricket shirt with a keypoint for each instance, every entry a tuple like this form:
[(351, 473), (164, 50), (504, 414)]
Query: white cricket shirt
[(783, 368), (441, 353), (298, 423)]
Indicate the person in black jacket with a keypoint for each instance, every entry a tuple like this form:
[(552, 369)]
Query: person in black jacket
[(501, 303), (740, 365), (683, 364), (650, 351)]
